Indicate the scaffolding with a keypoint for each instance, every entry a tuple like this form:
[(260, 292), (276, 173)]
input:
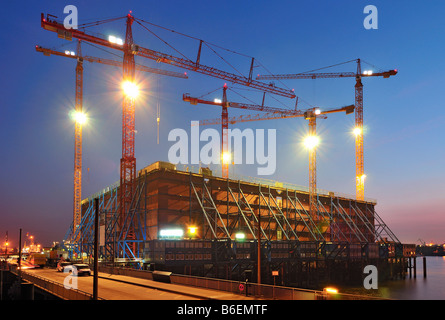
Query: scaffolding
[(220, 209)]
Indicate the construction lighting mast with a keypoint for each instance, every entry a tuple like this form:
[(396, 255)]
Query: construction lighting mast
[(358, 131)]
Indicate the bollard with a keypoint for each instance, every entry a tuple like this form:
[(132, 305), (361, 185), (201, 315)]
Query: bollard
[(424, 267), (410, 267)]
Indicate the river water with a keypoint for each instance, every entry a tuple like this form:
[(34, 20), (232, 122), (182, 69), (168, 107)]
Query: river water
[(430, 288)]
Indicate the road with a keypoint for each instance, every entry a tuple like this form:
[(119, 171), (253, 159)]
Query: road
[(117, 287)]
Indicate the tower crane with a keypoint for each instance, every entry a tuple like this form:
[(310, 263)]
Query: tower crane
[(358, 75), (272, 113), (110, 62), (311, 115), (80, 118), (225, 155), (130, 49)]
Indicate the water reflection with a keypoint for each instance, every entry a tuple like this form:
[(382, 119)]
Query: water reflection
[(430, 288)]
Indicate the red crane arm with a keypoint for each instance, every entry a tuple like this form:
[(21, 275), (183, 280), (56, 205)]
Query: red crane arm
[(348, 109), (111, 62), (274, 115), (237, 105), (385, 74), (249, 117), (68, 34)]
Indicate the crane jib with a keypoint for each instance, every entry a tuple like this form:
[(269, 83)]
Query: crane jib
[(68, 34)]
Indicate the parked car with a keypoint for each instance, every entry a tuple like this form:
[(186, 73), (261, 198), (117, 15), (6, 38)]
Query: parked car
[(81, 269), (62, 265)]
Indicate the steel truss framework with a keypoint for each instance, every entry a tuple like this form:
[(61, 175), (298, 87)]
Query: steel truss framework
[(220, 209)]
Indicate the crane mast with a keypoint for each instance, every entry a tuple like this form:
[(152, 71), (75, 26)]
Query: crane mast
[(77, 209), (225, 155), (128, 160), (359, 161), (311, 116)]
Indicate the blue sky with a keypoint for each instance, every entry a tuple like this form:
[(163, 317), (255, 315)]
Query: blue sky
[(403, 115)]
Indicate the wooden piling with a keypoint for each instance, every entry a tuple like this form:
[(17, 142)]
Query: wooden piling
[(410, 267)]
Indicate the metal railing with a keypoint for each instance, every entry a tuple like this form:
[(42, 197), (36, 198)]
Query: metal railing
[(260, 291), (54, 287)]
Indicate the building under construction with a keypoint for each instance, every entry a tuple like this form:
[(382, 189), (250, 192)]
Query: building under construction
[(201, 224)]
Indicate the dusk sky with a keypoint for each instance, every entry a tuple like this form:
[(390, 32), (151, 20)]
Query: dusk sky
[(404, 116)]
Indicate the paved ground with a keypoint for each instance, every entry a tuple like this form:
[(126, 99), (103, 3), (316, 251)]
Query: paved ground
[(117, 287)]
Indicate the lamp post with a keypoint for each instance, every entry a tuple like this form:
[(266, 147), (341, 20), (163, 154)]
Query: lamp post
[(20, 255)]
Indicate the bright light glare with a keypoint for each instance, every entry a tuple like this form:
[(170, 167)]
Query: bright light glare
[(171, 233), (217, 100), (240, 236), (226, 157), (193, 230), (311, 142), (115, 40), (131, 90), (80, 117), (367, 72), (317, 111), (357, 131), (330, 290)]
